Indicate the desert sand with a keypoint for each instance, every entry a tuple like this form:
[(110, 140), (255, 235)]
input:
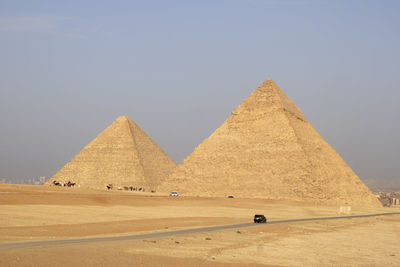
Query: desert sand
[(48, 213)]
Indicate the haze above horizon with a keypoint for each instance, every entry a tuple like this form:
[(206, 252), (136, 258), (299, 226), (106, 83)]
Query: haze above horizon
[(178, 68)]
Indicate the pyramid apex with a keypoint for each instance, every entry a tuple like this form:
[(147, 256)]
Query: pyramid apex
[(122, 118), (268, 81)]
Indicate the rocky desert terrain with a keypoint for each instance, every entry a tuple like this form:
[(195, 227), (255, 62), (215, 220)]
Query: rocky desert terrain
[(50, 213)]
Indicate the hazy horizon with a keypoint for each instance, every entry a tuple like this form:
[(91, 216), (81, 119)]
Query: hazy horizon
[(179, 68)]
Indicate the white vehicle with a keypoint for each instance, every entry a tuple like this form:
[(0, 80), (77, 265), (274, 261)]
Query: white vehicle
[(173, 194)]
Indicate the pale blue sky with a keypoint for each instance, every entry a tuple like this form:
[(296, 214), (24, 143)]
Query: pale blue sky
[(178, 68)]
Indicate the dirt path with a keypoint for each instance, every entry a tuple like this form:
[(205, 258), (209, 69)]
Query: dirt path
[(156, 235)]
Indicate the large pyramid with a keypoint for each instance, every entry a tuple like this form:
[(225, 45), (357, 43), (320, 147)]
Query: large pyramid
[(267, 149), (122, 155)]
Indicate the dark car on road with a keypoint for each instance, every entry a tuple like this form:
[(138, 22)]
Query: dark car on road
[(259, 218)]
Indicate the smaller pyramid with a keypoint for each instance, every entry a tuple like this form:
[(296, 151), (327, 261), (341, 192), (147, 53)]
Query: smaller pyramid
[(122, 155)]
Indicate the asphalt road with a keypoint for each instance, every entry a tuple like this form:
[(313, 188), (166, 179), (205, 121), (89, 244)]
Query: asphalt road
[(80, 241)]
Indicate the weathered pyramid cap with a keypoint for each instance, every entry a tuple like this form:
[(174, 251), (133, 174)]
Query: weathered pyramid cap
[(121, 118), (265, 99)]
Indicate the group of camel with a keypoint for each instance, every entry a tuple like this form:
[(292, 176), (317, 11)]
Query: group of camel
[(68, 184), (109, 186), (127, 188)]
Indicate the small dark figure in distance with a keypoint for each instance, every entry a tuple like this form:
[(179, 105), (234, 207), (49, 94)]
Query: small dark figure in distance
[(230, 196), (259, 218), (109, 187)]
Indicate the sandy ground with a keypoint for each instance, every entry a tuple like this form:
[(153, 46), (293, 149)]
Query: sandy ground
[(38, 213)]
